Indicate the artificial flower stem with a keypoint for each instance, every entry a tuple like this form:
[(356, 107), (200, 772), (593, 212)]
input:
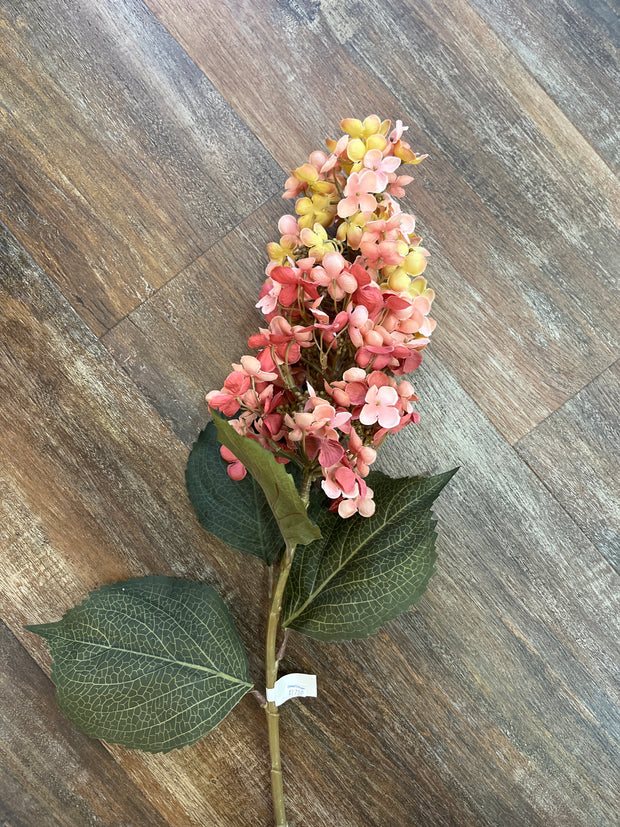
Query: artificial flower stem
[(271, 669)]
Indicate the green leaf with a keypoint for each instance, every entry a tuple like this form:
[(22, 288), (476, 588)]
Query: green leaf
[(279, 488), (365, 571), (236, 512), (152, 663)]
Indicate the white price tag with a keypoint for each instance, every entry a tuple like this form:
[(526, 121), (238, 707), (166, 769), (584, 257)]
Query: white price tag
[(295, 685)]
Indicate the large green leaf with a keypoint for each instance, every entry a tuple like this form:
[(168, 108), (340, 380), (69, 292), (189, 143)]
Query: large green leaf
[(279, 488), (365, 571), (152, 663), (236, 512)]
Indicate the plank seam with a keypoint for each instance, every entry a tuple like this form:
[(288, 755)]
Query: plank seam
[(127, 316), (488, 25), (570, 399)]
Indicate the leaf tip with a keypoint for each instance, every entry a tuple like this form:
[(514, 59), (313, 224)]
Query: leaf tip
[(441, 480)]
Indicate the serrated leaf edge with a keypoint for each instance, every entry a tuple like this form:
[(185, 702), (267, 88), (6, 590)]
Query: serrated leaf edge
[(273, 555), (432, 493), (108, 587), (55, 670)]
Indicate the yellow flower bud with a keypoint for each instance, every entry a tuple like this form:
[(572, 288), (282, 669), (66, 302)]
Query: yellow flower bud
[(376, 142), (356, 149), (372, 125), (406, 155), (418, 286), (322, 186), (399, 280), (353, 127), (402, 248), (306, 173), (415, 263)]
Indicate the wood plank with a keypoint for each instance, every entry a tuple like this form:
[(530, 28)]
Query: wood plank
[(513, 203), (197, 353), (493, 703), (51, 774), (92, 491), (514, 571), (579, 42), (491, 689), (139, 168), (575, 452)]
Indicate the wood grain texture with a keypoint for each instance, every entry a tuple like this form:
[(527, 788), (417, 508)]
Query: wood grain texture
[(92, 491), (571, 48), (493, 703), (486, 686), (120, 162), (576, 452), (513, 203), (496, 701), (51, 774), (520, 594), (192, 315)]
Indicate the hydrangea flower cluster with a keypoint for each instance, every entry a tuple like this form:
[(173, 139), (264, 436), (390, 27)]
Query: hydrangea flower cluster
[(347, 310)]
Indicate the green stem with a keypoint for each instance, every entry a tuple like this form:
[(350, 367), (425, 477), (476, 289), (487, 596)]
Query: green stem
[(271, 670)]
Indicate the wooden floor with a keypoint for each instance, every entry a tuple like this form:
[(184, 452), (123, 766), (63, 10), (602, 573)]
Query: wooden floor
[(143, 150)]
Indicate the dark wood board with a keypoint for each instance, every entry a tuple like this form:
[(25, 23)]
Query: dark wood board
[(51, 774), (571, 48), (120, 163), (190, 315), (145, 192), (513, 203), (576, 453)]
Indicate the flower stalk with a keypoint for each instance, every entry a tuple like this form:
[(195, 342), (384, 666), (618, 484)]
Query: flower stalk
[(347, 311), (271, 674), (272, 661)]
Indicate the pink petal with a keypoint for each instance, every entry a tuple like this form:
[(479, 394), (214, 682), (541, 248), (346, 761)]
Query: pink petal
[(367, 202), (369, 414), (330, 489), (331, 452), (227, 454), (373, 158), (341, 420), (367, 506), (237, 471), (388, 417), (371, 395), (347, 508), (386, 395), (390, 164), (288, 225), (237, 383), (354, 374), (356, 391), (347, 207), (320, 315), (346, 479), (284, 275), (368, 180)]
